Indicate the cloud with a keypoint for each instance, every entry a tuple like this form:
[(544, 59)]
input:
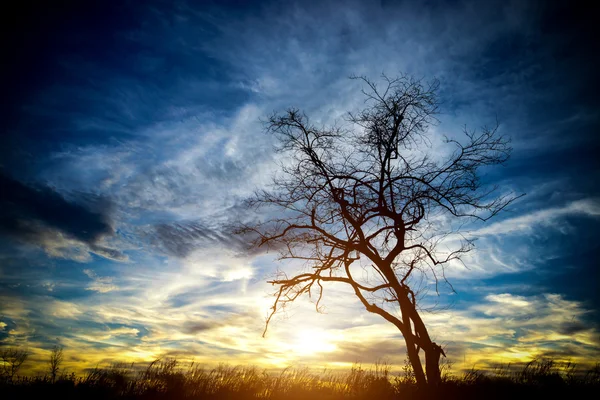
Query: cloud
[(43, 204), (527, 236), (63, 309), (200, 326), (93, 335), (546, 217), (100, 284), (504, 328), (41, 216), (571, 328), (513, 303), (182, 238)]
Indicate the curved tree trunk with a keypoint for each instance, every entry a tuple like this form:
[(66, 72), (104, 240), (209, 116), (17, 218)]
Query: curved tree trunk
[(432, 350), (417, 340), (412, 348), (432, 375)]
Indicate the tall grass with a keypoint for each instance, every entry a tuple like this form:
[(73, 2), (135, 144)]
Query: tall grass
[(168, 379)]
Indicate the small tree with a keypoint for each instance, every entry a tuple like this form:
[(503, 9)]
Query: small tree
[(12, 359), (55, 362), (370, 196)]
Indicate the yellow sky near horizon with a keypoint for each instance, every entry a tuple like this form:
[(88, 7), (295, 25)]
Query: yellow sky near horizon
[(503, 329)]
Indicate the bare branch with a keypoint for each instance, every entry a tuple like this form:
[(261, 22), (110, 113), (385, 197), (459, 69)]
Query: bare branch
[(365, 190)]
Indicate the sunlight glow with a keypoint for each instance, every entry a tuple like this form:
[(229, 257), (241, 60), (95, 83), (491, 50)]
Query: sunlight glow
[(312, 341)]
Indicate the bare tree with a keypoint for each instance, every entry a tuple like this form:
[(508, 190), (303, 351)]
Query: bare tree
[(368, 195), (12, 359), (55, 362)]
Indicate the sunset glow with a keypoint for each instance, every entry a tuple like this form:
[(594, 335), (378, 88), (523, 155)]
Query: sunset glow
[(312, 341)]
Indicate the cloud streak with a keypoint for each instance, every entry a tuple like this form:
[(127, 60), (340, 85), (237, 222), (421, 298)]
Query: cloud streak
[(549, 217)]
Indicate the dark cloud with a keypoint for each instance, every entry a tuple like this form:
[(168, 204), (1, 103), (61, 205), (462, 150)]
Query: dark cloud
[(199, 326), (107, 252), (566, 353), (32, 214), (180, 239), (572, 328)]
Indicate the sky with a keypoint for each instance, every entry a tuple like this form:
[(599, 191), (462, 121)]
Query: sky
[(131, 133)]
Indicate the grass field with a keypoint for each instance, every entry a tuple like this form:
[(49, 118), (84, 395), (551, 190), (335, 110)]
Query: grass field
[(167, 379)]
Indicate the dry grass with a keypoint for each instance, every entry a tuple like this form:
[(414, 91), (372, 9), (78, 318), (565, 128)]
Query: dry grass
[(167, 379)]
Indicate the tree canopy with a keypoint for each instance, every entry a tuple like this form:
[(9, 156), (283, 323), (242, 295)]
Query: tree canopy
[(369, 194)]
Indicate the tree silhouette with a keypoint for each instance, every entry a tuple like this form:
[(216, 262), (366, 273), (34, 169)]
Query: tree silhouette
[(368, 195), (11, 360), (55, 362)]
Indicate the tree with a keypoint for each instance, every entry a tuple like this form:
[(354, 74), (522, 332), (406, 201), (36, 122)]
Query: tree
[(368, 195), (56, 359), (12, 359)]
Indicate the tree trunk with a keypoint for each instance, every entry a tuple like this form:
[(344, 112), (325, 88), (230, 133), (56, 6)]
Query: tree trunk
[(420, 339), (432, 365), (431, 349), (432, 376), (415, 361)]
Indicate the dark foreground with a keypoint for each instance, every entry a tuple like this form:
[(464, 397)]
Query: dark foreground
[(164, 380)]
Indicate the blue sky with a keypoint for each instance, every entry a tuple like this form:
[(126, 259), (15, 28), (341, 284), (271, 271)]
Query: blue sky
[(131, 134)]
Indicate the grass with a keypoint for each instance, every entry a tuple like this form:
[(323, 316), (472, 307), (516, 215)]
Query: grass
[(167, 379)]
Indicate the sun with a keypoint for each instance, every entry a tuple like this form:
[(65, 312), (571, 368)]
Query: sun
[(312, 341)]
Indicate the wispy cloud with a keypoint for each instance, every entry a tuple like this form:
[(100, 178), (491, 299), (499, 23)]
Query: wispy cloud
[(100, 284), (549, 218)]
